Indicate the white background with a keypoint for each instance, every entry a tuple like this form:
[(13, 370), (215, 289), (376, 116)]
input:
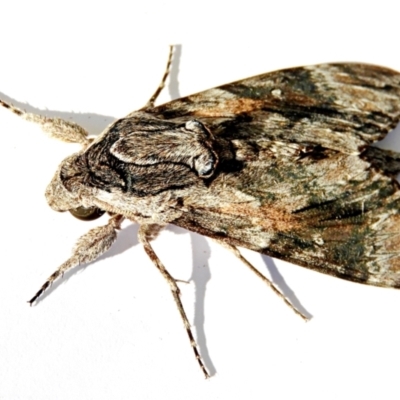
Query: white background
[(111, 330)]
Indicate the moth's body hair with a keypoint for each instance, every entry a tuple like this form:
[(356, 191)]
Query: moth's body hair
[(280, 163)]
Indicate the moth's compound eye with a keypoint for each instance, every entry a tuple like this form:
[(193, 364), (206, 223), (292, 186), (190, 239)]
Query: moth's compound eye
[(87, 214)]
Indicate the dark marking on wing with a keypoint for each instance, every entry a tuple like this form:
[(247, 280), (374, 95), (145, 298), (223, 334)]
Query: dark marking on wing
[(338, 106), (310, 189)]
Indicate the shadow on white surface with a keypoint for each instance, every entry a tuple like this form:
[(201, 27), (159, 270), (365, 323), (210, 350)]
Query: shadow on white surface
[(201, 253), (280, 282), (173, 85)]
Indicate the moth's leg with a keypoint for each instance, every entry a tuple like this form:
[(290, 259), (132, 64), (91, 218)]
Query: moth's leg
[(237, 253), (153, 98), (146, 232), (88, 247), (57, 128)]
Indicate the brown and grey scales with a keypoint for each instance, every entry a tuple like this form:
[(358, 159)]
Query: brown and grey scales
[(296, 177)]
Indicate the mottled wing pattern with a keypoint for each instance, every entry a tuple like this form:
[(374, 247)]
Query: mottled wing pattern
[(338, 106), (297, 179)]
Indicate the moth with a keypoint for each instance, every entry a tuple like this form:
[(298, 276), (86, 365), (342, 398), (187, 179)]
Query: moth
[(281, 163)]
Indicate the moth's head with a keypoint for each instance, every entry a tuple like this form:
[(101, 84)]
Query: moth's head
[(70, 197)]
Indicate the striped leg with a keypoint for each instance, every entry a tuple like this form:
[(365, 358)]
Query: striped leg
[(88, 247), (146, 232), (57, 128), (237, 253)]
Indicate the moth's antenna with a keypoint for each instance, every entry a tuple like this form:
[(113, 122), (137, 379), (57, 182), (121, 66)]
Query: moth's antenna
[(153, 98)]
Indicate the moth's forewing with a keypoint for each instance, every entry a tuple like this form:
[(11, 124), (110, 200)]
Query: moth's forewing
[(296, 179)]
